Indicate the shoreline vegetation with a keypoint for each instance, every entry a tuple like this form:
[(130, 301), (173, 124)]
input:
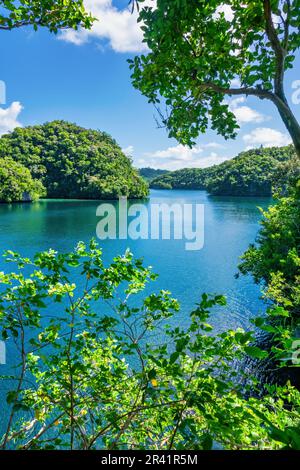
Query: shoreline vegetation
[(103, 383), (87, 392), (62, 160), (254, 173), (74, 386)]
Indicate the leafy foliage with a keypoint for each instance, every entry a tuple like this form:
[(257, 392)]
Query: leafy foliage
[(16, 183), (274, 262), (187, 178), (73, 162), (120, 377), (52, 14), (252, 173), (287, 174), (197, 52)]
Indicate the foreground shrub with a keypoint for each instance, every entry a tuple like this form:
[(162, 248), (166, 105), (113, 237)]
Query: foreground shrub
[(274, 262), (99, 368)]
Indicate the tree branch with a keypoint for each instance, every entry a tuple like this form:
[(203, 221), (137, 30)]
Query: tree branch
[(249, 91), (15, 25), (280, 52), (271, 30), (287, 26)]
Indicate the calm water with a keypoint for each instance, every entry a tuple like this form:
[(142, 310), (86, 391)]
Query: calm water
[(230, 225)]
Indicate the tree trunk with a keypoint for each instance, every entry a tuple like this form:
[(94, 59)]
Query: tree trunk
[(290, 122)]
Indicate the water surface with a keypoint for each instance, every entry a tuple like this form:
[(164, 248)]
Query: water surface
[(231, 223)]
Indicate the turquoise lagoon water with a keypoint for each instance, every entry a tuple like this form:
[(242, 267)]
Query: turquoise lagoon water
[(230, 225)]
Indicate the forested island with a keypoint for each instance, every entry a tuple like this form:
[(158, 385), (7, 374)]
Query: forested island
[(62, 160), (149, 174), (252, 173), (97, 360)]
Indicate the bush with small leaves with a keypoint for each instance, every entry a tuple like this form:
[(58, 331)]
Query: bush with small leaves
[(109, 371)]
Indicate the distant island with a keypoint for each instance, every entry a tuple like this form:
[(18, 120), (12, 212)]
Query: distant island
[(62, 160), (252, 173), (149, 174)]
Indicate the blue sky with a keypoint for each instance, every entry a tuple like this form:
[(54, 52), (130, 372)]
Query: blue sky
[(84, 78)]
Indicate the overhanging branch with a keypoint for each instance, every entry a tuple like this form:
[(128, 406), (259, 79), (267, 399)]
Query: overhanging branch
[(248, 91)]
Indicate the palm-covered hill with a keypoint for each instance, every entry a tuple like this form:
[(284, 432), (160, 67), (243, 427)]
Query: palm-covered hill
[(251, 173), (71, 162)]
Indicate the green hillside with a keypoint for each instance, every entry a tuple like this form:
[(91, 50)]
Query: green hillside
[(73, 162), (251, 173), (150, 173)]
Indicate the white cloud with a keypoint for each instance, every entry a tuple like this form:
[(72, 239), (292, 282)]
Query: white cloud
[(128, 150), (227, 10), (9, 117), (118, 27), (266, 137), (179, 152), (213, 145), (235, 83), (177, 157), (244, 114)]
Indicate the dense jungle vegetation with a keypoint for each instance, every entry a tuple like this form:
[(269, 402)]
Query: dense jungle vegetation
[(63, 160), (88, 382), (109, 382), (17, 184), (251, 173)]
